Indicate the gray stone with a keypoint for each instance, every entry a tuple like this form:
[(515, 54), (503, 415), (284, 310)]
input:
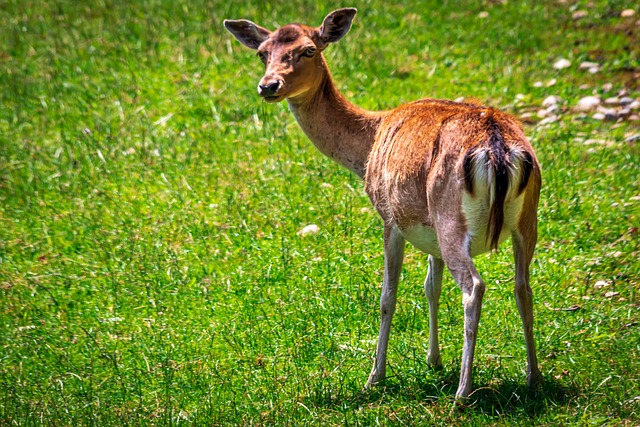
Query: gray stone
[(588, 103)]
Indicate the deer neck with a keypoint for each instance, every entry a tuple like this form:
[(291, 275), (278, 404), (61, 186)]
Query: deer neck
[(339, 129)]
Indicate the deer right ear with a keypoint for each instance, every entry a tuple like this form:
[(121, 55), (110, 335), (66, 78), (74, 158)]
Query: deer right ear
[(336, 25), (246, 32)]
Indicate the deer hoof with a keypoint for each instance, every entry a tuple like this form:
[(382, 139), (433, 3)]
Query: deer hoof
[(434, 362), (534, 379)]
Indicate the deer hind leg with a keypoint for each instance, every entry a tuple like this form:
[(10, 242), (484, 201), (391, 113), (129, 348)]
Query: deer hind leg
[(523, 247), (393, 257), (433, 289), (455, 244)]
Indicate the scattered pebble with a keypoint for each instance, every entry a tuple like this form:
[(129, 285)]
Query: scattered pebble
[(592, 67), (634, 118), (551, 101), (588, 103), (609, 113), (614, 100), (579, 14), (548, 120), (625, 100), (586, 65), (601, 284), (623, 112), (627, 13), (561, 64), (611, 294), (607, 87), (309, 230), (543, 113), (551, 82), (635, 105), (483, 15), (538, 84), (326, 185)]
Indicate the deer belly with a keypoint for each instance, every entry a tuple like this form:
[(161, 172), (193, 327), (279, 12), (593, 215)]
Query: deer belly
[(423, 238)]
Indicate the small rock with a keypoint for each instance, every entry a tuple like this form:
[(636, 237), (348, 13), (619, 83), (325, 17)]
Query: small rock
[(586, 65), (483, 15), (627, 13), (625, 100), (326, 185), (308, 230), (553, 109), (551, 100), (548, 120), (607, 87), (588, 103), (542, 114), (623, 112), (538, 84), (634, 118), (561, 64), (525, 116), (614, 100), (593, 70), (601, 284), (635, 105), (609, 113), (551, 82), (584, 87), (579, 14), (598, 116), (611, 294)]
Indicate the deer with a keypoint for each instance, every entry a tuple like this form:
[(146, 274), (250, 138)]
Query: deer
[(455, 179)]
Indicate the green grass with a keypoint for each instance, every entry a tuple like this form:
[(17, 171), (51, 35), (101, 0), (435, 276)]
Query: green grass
[(150, 270)]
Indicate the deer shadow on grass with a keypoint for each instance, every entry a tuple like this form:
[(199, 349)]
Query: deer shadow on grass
[(500, 397)]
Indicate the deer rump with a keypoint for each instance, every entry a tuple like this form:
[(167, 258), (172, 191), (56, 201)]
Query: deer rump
[(465, 162)]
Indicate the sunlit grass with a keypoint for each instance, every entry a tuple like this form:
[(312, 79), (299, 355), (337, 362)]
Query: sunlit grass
[(150, 266)]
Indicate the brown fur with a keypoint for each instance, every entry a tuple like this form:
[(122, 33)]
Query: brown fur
[(440, 172)]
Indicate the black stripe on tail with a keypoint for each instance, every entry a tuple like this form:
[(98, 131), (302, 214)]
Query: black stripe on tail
[(500, 164), (501, 161)]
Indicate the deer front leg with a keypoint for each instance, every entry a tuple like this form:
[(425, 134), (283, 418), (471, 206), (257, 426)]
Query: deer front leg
[(433, 289), (393, 256)]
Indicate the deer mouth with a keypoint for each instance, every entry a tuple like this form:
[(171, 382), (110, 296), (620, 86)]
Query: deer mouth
[(273, 98)]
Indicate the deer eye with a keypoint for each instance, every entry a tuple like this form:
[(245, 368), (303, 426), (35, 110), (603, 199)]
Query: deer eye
[(309, 52), (263, 56)]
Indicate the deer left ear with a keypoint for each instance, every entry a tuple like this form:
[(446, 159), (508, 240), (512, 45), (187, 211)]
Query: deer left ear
[(336, 25)]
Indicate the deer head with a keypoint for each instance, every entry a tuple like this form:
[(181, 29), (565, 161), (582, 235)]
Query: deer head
[(292, 54)]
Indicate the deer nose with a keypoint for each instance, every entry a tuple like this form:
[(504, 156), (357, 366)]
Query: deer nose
[(269, 89)]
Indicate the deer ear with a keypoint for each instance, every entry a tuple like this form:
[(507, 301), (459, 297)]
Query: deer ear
[(336, 25), (247, 33)]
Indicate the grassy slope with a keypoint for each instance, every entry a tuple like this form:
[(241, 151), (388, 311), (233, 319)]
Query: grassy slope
[(150, 271)]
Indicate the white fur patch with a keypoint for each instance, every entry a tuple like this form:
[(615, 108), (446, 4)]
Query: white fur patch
[(423, 238), (476, 213)]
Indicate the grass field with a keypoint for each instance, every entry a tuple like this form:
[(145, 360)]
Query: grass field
[(150, 267)]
